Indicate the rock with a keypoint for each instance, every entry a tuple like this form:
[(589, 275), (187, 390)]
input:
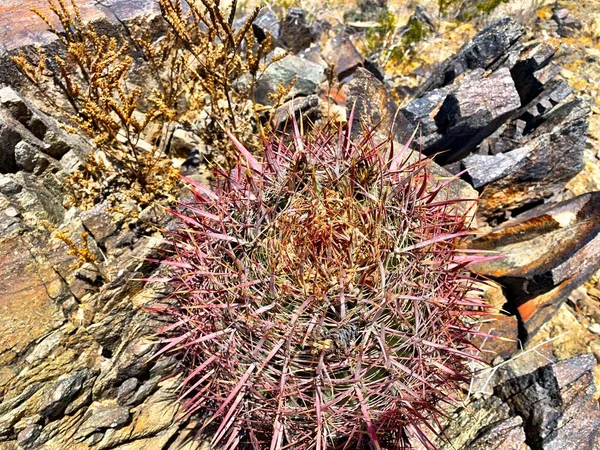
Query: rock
[(307, 107), (35, 127), (504, 435), (532, 59), (557, 404), (126, 390), (265, 23), (131, 362), (308, 77), (30, 158), (484, 169), (9, 186), (9, 138), (27, 437), (594, 328), (183, 142), (553, 155), (554, 92), (472, 112), (158, 412), (295, 33), (102, 418), (366, 10), (85, 280), (422, 111), (341, 54), (25, 286), (500, 329), (145, 390), (99, 222), (567, 23), (64, 392), (487, 50), (549, 251), (481, 421), (373, 105), (423, 18)]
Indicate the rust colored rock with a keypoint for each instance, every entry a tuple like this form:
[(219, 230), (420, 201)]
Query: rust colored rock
[(27, 294), (504, 343), (548, 252), (19, 26), (502, 327)]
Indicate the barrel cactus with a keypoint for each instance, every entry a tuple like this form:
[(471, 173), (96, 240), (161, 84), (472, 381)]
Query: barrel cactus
[(319, 296)]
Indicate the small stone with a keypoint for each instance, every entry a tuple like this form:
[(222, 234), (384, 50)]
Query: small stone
[(26, 438), (265, 23), (103, 418), (126, 390), (11, 212), (144, 391), (8, 186), (30, 158), (484, 169), (295, 33), (15, 104), (183, 142), (594, 292), (71, 162), (64, 392), (94, 438), (342, 55), (99, 222), (594, 328)]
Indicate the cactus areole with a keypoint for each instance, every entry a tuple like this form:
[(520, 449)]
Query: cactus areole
[(319, 296)]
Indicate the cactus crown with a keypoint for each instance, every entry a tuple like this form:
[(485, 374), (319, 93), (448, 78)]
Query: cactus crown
[(320, 298)]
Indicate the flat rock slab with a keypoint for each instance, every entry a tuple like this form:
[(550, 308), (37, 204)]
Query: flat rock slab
[(27, 310), (540, 168), (548, 252)]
